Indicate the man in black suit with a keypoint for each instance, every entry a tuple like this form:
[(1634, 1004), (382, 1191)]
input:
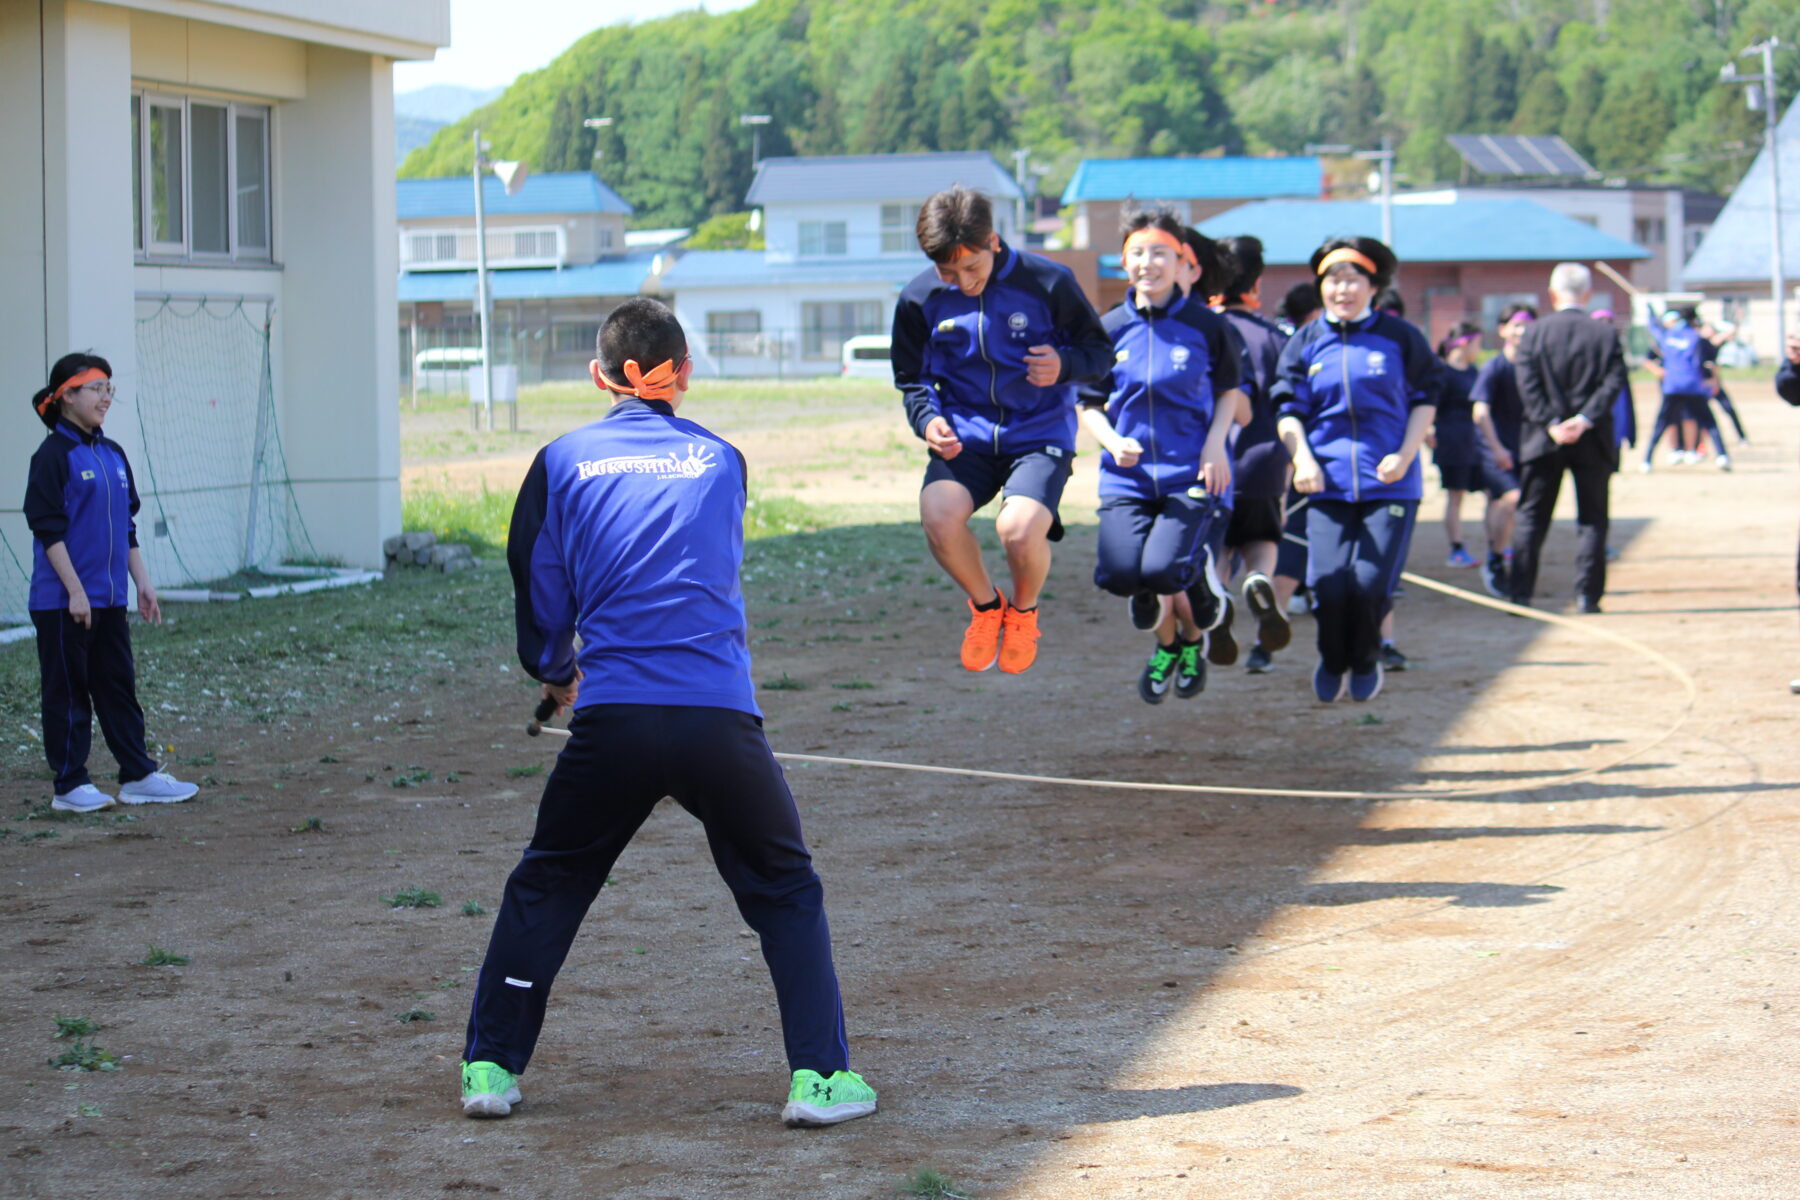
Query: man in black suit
[(1570, 370)]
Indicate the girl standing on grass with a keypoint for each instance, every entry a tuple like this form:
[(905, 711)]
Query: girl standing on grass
[(80, 501)]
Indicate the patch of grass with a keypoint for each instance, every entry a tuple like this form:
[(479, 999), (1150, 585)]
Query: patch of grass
[(415, 1014), (413, 898), (87, 1109), (784, 684), (1368, 719), (473, 908), (80, 1056), (38, 834), (526, 772), (411, 778), (329, 758), (855, 685), (478, 519), (75, 1027), (774, 516), (310, 825), (159, 956), (927, 1183)]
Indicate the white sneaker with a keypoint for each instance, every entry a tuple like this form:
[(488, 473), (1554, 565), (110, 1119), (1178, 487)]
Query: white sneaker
[(1645, 467), (159, 787), (85, 799), (1723, 462)]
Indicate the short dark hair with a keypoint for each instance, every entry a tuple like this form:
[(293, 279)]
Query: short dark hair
[(1389, 300), (1246, 257), (67, 367), (1373, 249), (641, 329), (1214, 265), (1461, 329), (952, 219), (1688, 313), (1513, 310), (1302, 301)]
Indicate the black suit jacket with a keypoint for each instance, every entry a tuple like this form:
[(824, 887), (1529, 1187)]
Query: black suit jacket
[(1568, 364)]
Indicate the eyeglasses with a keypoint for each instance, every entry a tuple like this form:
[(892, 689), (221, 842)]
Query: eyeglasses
[(99, 389)]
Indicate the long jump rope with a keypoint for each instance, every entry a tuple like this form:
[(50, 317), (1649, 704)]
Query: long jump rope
[(547, 708)]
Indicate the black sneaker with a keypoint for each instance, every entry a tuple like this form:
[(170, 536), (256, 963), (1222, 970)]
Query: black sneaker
[(1190, 669), (1493, 575), (1272, 628), (1208, 597), (1221, 643), (1259, 661), (1146, 610), (1153, 684), (1391, 658)]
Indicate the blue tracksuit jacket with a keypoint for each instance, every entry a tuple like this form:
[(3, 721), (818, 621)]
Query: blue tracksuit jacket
[(630, 532), (1353, 385), (1169, 367), (1260, 461), (80, 491), (1684, 355), (963, 357)]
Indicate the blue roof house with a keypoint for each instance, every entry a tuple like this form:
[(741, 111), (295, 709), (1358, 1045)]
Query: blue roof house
[(1196, 188), (840, 245)]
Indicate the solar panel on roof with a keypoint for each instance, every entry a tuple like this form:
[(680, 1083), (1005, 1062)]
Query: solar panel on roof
[(1495, 154)]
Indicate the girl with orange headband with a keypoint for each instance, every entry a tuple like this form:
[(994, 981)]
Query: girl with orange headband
[(1355, 395), (1162, 416), (79, 502)]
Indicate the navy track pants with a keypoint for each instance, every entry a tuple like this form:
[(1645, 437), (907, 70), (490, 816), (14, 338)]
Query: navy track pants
[(88, 673), (1156, 545), (1357, 549), (620, 761), (1677, 407)]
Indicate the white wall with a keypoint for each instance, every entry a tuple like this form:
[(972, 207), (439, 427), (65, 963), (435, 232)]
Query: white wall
[(781, 314), (781, 226)]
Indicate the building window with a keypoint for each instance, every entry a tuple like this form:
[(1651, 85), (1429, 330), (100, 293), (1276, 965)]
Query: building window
[(200, 175), (1648, 231), (574, 339), (824, 326), (606, 237), (534, 243), (899, 232), (733, 333), (820, 238)]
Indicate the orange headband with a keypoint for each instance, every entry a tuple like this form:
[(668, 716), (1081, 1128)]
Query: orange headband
[(1344, 254), (78, 380), (1152, 236), (657, 384)]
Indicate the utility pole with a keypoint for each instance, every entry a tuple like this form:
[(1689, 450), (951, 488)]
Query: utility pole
[(756, 121), (1383, 156), (512, 178), (1022, 176), (1760, 93), (596, 123)]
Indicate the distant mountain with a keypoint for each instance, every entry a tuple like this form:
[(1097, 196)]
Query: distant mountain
[(442, 103), (412, 132)]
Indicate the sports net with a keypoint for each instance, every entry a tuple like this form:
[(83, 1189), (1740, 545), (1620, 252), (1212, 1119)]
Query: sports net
[(213, 478)]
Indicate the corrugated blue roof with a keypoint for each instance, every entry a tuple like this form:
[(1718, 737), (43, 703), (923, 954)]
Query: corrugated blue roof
[(1467, 231), (750, 268), (1736, 248), (1149, 179), (610, 277), (555, 192), (897, 177)]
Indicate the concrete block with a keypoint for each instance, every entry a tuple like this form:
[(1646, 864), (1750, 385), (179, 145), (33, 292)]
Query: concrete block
[(392, 545), (420, 540)]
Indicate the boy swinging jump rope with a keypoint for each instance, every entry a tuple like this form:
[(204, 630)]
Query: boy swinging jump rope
[(629, 531)]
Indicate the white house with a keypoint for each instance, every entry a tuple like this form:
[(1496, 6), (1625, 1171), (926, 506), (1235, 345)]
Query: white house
[(225, 161), (840, 246)]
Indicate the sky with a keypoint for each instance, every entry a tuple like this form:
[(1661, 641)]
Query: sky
[(493, 42)]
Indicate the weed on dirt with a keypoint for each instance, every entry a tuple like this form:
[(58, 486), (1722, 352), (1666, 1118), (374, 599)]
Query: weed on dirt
[(927, 1183), (75, 1027), (415, 1014), (82, 1057), (160, 956), (413, 898)]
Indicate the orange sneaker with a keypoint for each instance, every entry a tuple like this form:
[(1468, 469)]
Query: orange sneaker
[(1020, 648), (981, 640)]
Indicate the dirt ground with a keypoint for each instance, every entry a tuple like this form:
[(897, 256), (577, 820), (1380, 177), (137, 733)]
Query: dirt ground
[(1569, 991)]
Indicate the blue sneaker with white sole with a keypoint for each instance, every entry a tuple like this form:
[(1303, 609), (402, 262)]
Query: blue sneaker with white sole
[(1328, 686)]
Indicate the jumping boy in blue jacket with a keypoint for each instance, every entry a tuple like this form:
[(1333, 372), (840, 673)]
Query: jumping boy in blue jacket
[(988, 347), (629, 532)]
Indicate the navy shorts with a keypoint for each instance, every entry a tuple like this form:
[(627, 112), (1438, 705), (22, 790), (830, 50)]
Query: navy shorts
[(1254, 519), (1494, 481), (1035, 474), (1460, 477)]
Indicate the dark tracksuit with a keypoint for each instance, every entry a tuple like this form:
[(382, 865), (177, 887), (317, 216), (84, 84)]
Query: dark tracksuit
[(629, 531), (1684, 355), (1497, 386), (1259, 469), (1457, 455), (963, 358), (1354, 385), (81, 492), (1170, 365)]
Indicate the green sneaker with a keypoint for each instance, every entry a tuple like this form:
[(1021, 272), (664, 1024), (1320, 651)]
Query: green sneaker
[(1153, 684), (488, 1089), (814, 1100), (1190, 668)]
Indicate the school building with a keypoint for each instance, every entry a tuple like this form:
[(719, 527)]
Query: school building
[(1102, 189), (192, 161), (1461, 261)]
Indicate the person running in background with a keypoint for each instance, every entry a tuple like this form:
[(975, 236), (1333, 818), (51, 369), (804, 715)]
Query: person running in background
[(1497, 411), (1390, 301), (1356, 392), (1162, 419), (1455, 451), (1260, 466), (1787, 386), (988, 346), (1720, 338), (1684, 362)]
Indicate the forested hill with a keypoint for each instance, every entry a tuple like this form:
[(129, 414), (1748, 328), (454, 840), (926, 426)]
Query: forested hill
[(1632, 84)]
